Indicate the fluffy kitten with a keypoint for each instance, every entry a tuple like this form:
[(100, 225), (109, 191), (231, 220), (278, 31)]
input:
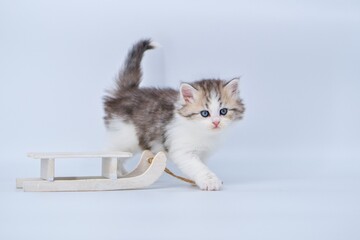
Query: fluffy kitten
[(184, 123)]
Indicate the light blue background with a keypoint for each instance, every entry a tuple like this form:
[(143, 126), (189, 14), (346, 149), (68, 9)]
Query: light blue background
[(291, 167)]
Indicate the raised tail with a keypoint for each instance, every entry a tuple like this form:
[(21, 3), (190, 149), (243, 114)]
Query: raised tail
[(130, 75)]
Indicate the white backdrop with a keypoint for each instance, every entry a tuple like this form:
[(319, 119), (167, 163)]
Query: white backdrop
[(298, 62)]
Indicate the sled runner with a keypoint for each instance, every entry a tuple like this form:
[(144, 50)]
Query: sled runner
[(148, 170)]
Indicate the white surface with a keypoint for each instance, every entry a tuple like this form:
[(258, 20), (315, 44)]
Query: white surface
[(291, 209), (291, 168)]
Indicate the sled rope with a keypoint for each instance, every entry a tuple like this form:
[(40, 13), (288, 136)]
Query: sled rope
[(174, 175)]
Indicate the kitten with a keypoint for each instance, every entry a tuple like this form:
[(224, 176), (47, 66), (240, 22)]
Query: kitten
[(186, 124)]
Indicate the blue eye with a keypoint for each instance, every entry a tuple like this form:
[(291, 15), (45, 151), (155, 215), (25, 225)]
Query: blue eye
[(204, 113), (223, 111)]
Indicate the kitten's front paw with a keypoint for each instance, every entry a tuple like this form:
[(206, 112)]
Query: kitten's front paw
[(208, 182)]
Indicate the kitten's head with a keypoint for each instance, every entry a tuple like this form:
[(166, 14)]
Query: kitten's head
[(213, 104)]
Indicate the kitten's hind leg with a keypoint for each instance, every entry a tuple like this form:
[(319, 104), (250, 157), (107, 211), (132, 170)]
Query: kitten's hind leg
[(121, 170), (122, 137)]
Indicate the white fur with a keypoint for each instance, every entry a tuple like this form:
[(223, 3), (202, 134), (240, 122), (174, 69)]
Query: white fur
[(155, 44), (157, 146), (190, 141), (121, 136), (189, 144)]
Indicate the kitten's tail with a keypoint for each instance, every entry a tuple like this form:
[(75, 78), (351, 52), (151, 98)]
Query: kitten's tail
[(130, 75)]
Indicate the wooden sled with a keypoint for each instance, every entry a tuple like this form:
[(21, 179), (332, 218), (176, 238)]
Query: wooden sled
[(148, 170)]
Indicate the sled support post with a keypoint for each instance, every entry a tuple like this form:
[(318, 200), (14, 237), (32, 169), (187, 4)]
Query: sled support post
[(109, 167), (47, 169)]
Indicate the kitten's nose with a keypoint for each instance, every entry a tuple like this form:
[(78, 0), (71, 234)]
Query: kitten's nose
[(216, 123)]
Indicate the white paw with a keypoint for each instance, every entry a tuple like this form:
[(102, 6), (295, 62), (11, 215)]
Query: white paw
[(208, 182)]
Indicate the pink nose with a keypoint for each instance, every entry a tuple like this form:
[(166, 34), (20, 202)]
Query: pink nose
[(216, 123)]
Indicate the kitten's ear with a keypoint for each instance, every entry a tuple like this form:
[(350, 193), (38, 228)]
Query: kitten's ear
[(187, 93), (232, 87)]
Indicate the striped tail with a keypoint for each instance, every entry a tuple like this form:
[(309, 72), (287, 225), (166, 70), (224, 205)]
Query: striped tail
[(130, 75)]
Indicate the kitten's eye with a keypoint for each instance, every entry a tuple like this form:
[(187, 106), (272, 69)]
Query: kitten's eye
[(223, 111), (205, 113)]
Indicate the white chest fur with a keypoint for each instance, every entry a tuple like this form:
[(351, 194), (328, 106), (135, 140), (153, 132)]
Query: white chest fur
[(185, 135)]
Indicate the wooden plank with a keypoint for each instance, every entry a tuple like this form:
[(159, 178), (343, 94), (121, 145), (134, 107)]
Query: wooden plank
[(80, 155), (47, 169), (154, 171), (20, 181), (109, 167)]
